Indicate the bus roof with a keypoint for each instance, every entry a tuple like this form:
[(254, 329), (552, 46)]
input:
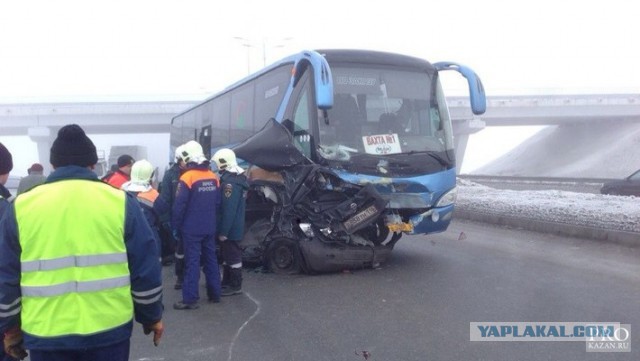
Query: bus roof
[(343, 56), (374, 58)]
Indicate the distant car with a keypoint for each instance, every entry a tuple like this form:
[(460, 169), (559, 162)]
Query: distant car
[(629, 186)]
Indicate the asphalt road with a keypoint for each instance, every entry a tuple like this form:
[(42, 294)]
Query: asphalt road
[(418, 306)]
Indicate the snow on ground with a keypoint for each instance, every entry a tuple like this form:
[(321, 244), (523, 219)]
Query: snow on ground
[(593, 210)]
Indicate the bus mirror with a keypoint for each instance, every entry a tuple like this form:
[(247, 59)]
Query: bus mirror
[(323, 78), (325, 116), (324, 88), (477, 96)]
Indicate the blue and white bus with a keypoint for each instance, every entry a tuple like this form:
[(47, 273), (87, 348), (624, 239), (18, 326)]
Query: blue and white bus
[(364, 119)]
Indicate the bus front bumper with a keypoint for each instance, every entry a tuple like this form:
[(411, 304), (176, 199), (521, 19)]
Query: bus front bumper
[(432, 221)]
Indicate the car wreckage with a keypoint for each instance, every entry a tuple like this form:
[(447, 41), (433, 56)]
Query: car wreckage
[(302, 217)]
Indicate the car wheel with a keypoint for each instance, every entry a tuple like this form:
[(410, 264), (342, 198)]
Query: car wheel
[(284, 256)]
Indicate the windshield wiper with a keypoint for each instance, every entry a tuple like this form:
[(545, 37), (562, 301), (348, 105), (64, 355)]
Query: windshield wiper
[(444, 162)]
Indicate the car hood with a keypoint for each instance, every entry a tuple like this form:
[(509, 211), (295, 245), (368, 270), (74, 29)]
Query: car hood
[(271, 148)]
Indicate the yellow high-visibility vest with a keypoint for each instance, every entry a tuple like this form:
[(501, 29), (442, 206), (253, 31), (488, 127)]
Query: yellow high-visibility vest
[(74, 271)]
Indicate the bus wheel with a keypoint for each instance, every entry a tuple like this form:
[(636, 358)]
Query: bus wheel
[(284, 256)]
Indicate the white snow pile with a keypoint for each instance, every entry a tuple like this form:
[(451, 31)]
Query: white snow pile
[(620, 213)]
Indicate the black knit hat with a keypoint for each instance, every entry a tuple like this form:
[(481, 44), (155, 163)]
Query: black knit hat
[(73, 147), (6, 161)]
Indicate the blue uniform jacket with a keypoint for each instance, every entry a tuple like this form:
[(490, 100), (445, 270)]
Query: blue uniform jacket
[(4, 204), (4, 199), (168, 189), (145, 270), (197, 201), (234, 194)]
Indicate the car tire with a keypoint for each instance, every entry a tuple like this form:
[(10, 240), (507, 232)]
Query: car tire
[(284, 256)]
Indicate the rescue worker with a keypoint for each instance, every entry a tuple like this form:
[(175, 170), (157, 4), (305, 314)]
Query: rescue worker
[(193, 220), (34, 178), (6, 165), (140, 186), (234, 186), (78, 263), (167, 191), (123, 174)]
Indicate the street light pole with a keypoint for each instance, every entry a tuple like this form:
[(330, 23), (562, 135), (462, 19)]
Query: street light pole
[(264, 47), (249, 44), (246, 43)]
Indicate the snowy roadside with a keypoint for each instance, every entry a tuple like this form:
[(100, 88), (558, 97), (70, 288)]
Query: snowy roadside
[(615, 213)]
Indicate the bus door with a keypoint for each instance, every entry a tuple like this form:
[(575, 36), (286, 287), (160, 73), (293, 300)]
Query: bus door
[(301, 114)]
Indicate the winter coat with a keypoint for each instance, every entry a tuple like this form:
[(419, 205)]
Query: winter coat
[(197, 200), (234, 189)]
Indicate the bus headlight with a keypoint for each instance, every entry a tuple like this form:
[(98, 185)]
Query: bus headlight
[(448, 198)]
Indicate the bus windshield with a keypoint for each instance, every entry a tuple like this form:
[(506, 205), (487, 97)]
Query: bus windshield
[(380, 111)]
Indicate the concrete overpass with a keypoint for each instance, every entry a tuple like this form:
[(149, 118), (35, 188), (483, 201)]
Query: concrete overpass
[(42, 120), (540, 110)]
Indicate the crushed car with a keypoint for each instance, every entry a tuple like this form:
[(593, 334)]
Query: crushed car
[(302, 217)]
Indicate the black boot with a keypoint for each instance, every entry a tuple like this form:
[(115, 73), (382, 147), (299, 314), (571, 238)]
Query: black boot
[(179, 269), (236, 283), (226, 276)]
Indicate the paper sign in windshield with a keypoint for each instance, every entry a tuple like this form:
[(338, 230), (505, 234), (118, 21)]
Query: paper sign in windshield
[(382, 144)]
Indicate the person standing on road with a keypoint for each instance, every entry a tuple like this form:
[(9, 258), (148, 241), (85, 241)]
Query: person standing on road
[(152, 205), (6, 165), (231, 226), (123, 174), (167, 190), (34, 178), (78, 263), (194, 222)]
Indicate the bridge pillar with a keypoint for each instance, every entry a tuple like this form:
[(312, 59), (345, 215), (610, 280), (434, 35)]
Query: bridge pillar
[(42, 137), (461, 131)]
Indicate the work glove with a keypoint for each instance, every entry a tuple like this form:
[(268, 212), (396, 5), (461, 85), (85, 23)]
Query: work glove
[(157, 328), (13, 344), (222, 238)]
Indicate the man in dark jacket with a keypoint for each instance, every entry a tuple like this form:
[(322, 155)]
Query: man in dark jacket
[(171, 247), (194, 221), (231, 226), (78, 263), (6, 165)]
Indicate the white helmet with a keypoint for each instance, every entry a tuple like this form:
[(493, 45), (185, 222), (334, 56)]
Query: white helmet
[(224, 158), (191, 152), (178, 153), (141, 172)]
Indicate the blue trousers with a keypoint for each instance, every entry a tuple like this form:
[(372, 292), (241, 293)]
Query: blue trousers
[(197, 248), (117, 352)]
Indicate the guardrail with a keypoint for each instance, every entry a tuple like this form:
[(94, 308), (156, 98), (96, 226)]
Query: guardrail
[(504, 179)]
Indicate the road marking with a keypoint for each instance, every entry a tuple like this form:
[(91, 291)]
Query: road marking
[(235, 337)]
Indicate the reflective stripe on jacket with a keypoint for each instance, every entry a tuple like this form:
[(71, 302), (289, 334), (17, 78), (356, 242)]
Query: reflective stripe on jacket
[(74, 271), (148, 198)]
